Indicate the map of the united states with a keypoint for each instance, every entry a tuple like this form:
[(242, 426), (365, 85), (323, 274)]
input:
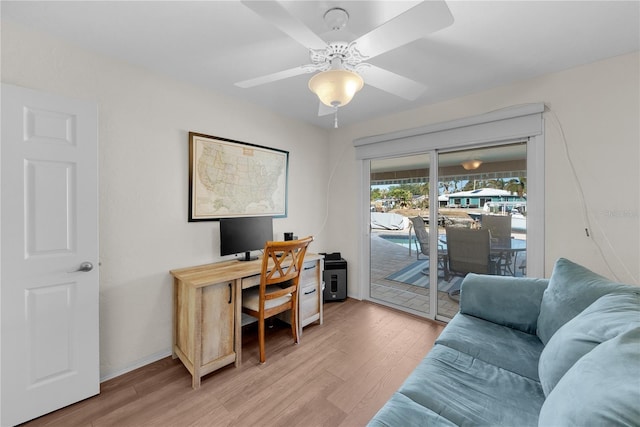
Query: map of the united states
[(233, 179)]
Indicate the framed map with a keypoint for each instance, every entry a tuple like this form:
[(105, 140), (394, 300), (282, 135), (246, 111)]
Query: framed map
[(230, 178)]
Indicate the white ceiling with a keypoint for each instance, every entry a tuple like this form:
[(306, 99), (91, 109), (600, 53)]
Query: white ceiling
[(214, 44)]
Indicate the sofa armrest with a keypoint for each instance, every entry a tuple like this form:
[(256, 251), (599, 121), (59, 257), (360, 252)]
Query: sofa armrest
[(509, 301)]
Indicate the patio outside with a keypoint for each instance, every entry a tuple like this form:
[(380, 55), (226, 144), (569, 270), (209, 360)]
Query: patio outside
[(470, 183), (388, 257)]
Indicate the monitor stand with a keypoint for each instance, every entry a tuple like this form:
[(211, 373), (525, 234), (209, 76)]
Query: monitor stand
[(248, 257)]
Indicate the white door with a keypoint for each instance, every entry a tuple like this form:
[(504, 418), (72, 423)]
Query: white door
[(49, 253)]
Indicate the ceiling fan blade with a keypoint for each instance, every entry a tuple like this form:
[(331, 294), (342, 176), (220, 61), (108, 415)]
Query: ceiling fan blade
[(325, 110), (280, 75), (391, 82), (422, 19), (273, 12)]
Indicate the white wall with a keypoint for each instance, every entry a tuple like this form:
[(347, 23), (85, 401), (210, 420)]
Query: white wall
[(144, 120), (598, 106)]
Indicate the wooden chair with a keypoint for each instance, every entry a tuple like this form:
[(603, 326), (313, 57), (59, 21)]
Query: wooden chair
[(282, 264)]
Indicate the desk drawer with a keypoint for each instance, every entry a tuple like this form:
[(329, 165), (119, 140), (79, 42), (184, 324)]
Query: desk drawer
[(309, 274), (248, 282), (309, 292), (309, 301)]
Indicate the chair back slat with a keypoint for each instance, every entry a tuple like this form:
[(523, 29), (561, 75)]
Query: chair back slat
[(282, 262)]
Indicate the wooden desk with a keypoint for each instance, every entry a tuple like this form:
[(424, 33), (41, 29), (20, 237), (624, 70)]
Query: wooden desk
[(207, 310)]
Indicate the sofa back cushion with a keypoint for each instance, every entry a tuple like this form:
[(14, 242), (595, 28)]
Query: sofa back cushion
[(572, 288), (605, 319), (504, 300), (601, 389)]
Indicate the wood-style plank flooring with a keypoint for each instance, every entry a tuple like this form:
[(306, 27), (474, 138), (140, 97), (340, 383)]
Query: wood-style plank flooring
[(340, 374)]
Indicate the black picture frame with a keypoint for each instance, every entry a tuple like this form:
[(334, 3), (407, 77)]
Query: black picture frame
[(229, 178)]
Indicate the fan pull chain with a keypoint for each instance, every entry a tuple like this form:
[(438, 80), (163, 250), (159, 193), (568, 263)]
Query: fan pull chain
[(335, 118)]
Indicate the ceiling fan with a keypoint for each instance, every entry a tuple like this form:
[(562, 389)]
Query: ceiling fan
[(347, 59)]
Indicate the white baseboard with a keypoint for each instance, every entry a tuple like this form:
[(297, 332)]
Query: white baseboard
[(138, 364)]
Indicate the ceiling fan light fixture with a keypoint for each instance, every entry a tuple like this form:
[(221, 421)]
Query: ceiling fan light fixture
[(471, 164), (336, 88), (336, 18)]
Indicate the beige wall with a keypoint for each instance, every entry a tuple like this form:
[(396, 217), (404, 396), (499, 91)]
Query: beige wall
[(598, 106), (143, 150)]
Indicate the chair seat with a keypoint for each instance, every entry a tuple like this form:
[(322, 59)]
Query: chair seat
[(251, 299)]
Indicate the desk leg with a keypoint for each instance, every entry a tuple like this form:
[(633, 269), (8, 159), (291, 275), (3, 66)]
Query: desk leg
[(174, 332), (321, 289), (195, 380), (238, 322), (197, 339)]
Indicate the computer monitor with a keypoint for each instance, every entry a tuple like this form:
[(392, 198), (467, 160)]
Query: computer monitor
[(245, 234)]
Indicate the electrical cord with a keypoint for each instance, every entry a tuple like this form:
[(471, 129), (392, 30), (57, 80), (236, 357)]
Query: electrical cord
[(333, 171), (587, 223)]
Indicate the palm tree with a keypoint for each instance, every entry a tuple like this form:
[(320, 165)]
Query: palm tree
[(404, 196), (517, 185), (496, 183), (424, 189), (445, 185)]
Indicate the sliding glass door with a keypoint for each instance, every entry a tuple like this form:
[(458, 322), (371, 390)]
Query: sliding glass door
[(426, 237), (399, 192), (482, 207)]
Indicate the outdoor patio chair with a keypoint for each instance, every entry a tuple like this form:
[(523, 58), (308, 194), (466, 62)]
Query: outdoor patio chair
[(499, 227), (469, 251), (422, 246)]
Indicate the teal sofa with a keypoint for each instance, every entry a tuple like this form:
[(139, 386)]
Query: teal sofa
[(563, 351)]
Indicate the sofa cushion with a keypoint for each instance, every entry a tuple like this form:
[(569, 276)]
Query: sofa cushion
[(505, 300), (572, 288), (506, 348), (469, 391), (601, 389), (606, 318), (402, 411)]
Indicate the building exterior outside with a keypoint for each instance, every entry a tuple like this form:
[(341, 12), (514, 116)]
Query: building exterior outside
[(478, 198)]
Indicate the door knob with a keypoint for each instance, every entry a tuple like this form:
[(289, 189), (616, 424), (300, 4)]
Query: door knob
[(84, 267)]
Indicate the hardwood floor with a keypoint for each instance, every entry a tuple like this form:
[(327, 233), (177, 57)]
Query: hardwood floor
[(340, 374)]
